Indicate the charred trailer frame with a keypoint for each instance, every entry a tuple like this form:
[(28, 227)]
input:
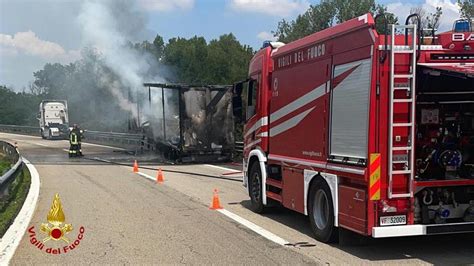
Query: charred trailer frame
[(200, 129)]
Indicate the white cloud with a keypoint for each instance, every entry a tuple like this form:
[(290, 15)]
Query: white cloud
[(28, 43), (166, 5), (266, 36), (450, 11), (281, 8)]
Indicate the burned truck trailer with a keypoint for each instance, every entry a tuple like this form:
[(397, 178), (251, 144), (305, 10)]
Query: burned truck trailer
[(190, 123)]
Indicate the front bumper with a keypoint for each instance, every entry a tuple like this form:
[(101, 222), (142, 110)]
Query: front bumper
[(421, 229)]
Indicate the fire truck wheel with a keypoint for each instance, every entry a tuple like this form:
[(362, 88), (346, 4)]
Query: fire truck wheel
[(255, 184), (321, 212)]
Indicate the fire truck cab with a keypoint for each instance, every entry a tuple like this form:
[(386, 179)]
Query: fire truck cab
[(365, 131)]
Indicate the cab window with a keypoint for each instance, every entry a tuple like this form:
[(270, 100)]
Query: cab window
[(252, 96)]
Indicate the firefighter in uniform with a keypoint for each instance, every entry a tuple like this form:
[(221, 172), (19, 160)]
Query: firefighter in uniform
[(75, 138)]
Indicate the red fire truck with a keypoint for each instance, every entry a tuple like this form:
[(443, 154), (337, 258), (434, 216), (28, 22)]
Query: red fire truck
[(368, 132)]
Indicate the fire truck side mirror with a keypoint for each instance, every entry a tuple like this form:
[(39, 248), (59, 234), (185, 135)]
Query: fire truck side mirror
[(237, 101)]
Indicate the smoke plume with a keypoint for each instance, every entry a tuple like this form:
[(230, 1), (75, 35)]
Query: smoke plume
[(110, 26)]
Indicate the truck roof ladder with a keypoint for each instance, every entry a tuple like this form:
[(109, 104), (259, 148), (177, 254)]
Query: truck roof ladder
[(402, 79)]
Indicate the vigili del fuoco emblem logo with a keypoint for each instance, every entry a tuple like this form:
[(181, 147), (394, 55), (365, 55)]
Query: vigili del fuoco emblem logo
[(56, 229)]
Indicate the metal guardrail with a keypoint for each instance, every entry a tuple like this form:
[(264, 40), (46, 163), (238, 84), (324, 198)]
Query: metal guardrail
[(239, 146), (12, 155), (20, 129), (120, 139), (114, 137)]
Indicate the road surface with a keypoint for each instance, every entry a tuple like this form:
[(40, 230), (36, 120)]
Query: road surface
[(130, 219)]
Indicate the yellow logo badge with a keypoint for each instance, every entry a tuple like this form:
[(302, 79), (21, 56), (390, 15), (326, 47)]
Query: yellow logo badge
[(56, 229)]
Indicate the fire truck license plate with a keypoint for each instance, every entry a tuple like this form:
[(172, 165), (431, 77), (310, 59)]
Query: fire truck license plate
[(393, 220)]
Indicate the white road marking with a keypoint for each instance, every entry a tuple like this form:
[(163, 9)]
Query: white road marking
[(257, 229), (103, 146), (222, 168), (146, 176), (14, 234)]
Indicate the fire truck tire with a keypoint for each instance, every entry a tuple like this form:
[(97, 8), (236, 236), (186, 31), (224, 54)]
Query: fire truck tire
[(321, 212), (255, 191)]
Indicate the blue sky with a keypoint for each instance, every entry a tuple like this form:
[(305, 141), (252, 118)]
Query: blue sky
[(34, 32)]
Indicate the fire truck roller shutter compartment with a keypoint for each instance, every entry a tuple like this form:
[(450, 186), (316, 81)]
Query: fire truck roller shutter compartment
[(349, 109)]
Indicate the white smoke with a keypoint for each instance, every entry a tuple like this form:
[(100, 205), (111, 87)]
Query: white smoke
[(109, 26)]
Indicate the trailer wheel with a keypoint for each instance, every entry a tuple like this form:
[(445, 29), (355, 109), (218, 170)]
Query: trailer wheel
[(321, 212), (255, 191)]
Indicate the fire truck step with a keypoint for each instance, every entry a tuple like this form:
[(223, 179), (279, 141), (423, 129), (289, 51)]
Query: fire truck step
[(274, 196), (401, 148), (403, 76), (403, 51), (401, 172), (402, 124), (405, 88), (403, 195), (400, 161), (274, 183), (402, 100)]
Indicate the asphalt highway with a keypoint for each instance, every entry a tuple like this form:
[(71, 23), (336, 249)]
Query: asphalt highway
[(130, 219)]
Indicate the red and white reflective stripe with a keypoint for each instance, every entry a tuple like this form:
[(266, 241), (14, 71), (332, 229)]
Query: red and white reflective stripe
[(315, 164), (251, 144), (258, 124), (295, 161), (290, 123), (300, 102), (375, 183)]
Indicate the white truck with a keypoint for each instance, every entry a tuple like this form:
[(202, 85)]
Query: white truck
[(53, 119)]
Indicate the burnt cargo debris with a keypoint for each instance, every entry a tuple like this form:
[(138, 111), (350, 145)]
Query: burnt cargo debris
[(189, 123)]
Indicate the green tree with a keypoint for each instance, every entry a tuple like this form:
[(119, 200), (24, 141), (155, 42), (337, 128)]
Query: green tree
[(390, 18), (18, 108), (185, 57), (467, 8), (433, 19), (193, 60), (227, 60), (326, 14), (428, 21)]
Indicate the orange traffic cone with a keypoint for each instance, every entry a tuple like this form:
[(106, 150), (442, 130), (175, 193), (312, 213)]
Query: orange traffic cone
[(159, 177), (135, 167), (216, 205)]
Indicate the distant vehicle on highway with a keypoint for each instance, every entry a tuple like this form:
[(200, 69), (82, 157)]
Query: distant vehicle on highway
[(53, 119)]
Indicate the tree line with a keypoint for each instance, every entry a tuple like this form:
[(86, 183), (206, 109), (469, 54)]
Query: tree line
[(181, 60)]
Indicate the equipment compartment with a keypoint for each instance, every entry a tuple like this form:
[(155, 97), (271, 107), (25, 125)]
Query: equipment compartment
[(445, 125)]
